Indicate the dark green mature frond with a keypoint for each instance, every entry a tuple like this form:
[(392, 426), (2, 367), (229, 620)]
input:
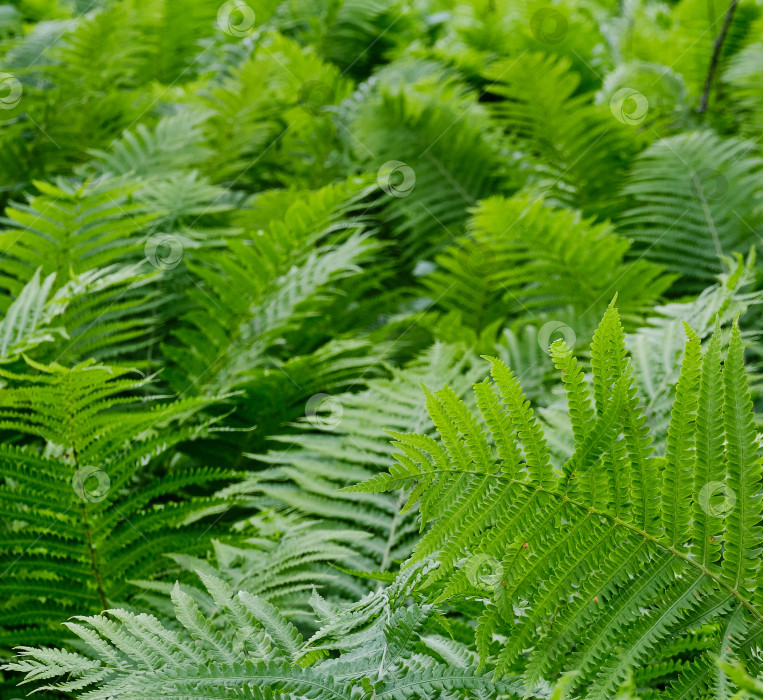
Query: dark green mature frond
[(572, 151), (434, 152), (594, 566), (70, 229), (524, 256), (692, 200), (84, 507)]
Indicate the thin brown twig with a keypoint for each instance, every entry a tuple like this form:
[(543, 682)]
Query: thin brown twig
[(717, 46)]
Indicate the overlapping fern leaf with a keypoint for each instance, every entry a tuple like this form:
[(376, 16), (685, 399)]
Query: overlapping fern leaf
[(280, 282), (571, 149), (693, 199), (248, 649), (343, 440), (600, 559), (523, 255), (85, 504)]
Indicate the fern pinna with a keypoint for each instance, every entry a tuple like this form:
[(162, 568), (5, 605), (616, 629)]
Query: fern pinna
[(602, 558)]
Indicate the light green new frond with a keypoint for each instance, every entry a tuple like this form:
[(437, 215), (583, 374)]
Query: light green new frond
[(743, 533), (522, 254), (172, 145), (680, 457), (710, 467), (582, 578), (474, 437), (70, 229), (500, 425), (527, 427), (578, 395), (743, 77)]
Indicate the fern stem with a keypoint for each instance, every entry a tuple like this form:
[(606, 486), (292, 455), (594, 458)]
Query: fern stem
[(392, 532), (83, 510), (93, 560)]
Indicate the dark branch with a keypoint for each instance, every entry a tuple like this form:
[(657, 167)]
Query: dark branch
[(717, 46)]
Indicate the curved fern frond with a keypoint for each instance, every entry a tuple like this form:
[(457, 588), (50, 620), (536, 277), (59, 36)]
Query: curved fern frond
[(70, 229), (571, 150), (589, 556)]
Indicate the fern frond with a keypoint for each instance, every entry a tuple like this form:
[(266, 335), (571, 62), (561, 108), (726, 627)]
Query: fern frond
[(688, 223), (81, 514), (581, 563)]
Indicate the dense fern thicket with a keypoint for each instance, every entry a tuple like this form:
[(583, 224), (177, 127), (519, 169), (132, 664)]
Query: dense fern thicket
[(363, 349)]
